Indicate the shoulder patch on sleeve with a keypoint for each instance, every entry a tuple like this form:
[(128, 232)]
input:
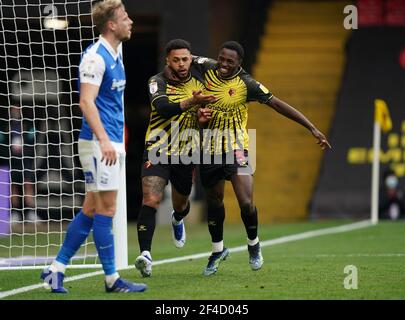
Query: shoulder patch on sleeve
[(92, 68), (89, 68), (153, 86), (201, 60)]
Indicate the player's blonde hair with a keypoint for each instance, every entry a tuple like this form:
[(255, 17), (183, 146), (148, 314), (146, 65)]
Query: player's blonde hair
[(104, 11)]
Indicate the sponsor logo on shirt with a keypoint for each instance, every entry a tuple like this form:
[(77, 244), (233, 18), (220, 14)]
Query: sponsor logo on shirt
[(118, 85)]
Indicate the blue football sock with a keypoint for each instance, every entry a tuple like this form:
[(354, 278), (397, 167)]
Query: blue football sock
[(104, 240), (76, 234)]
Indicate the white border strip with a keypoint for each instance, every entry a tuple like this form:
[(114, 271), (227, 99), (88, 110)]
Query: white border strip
[(267, 243), (41, 267)]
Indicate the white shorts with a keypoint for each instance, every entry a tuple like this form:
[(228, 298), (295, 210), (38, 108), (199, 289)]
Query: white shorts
[(98, 176)]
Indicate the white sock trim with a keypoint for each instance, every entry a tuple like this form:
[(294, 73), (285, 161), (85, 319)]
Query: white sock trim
[(252, 242), (146, 253), (57, 266), (110, 280), (218, 246)]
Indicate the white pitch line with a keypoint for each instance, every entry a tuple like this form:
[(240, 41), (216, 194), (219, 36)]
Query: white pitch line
[(294, 237), (355, 255)]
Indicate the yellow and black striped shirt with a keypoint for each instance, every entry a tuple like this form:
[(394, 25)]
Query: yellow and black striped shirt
[(177, 135), (228, 126)]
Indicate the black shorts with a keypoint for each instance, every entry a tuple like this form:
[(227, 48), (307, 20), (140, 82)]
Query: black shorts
[(211, 174), (179, 175)]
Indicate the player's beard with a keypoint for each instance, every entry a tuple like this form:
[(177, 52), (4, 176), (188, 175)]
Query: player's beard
[(126, 37), (179, 76)]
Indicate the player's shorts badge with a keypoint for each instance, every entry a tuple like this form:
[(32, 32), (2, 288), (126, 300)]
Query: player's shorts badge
[(88, 177), (105, 177), (240, 157)]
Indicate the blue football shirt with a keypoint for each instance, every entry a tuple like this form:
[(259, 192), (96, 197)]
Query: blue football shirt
[(103, 67)]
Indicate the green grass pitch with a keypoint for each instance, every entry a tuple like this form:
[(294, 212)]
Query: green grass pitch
[(304, 269)]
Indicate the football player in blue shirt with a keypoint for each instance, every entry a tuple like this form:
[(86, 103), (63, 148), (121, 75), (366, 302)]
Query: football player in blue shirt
[(101, 147)]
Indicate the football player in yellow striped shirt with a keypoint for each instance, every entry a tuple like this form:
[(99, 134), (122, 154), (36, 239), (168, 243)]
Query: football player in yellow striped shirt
[(172, 139), (227, 139)]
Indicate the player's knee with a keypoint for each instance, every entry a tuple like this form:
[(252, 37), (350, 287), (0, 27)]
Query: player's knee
[(88, 210), (247, 208), (152, 201), (110, 211), (215, 200), (181, 206), (104, 209)]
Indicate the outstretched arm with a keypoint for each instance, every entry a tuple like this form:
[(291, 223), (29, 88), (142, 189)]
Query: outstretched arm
[(288, 111)]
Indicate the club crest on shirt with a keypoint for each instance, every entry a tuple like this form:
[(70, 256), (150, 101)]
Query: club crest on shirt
[(153, 87)]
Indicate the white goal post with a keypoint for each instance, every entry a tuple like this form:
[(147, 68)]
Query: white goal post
[(41, 181)]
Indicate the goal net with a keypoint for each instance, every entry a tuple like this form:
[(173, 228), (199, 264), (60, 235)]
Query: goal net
[(41, 182)]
